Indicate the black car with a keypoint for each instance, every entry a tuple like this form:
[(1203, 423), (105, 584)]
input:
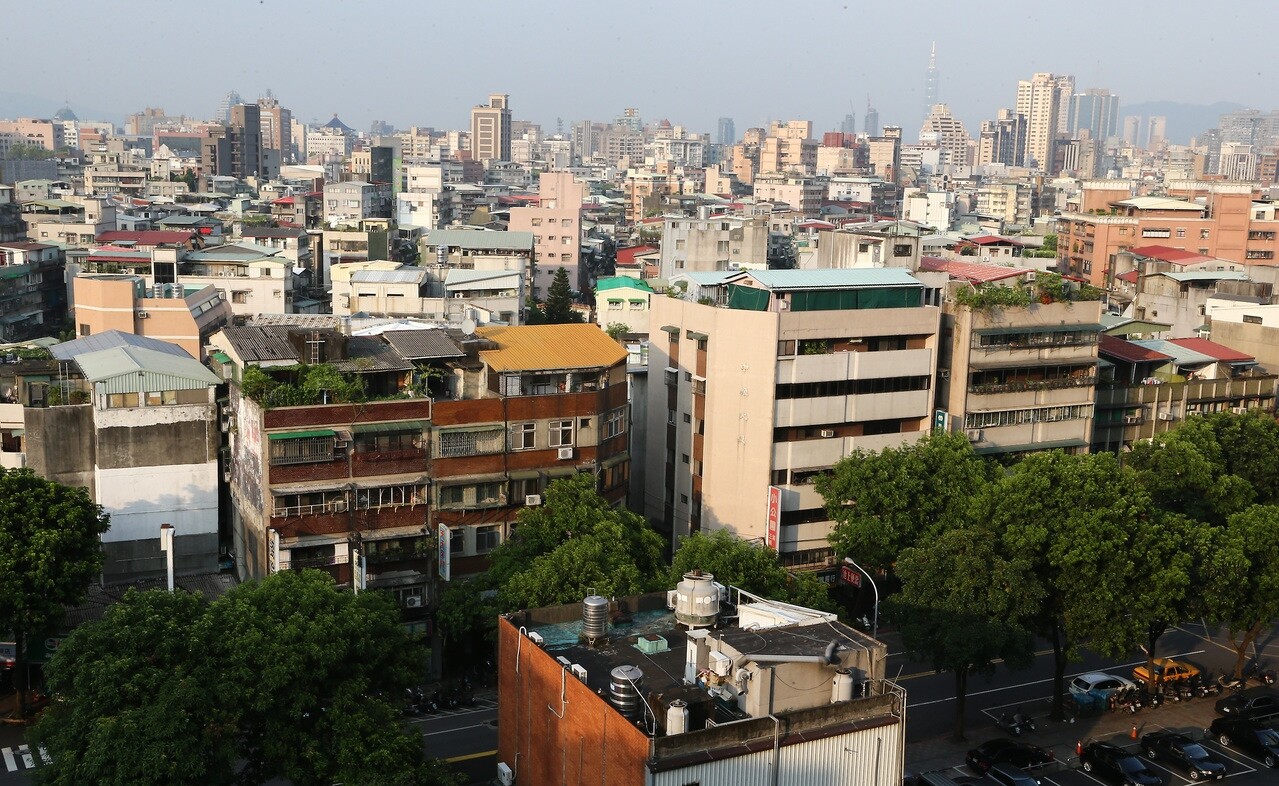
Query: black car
[(1004, 774), (1180, 751), (1117, 765), (1250, 736), (1002, 749), (1255, 703)]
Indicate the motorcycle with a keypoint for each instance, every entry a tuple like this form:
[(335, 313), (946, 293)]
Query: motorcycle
[(1254, 671), (1016, 723), (431, 704), (1232, 683)]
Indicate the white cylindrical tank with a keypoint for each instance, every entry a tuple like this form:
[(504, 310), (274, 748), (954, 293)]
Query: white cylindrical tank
[(677, 717), (697, 600), (842, 686)]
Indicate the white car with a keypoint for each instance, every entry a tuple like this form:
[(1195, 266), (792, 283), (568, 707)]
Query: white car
[(1100, 682)]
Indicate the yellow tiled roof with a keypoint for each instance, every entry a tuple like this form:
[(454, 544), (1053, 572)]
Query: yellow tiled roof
[(550, 347)]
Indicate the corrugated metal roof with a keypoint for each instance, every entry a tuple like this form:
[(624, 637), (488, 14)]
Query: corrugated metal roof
[(1208, 275), (253, 343), (97, 342), (476, 238), (136, 370), (1213, 349), (550, 347), (406, 275), (781, 280), (423, 344), (457, 279), (1129, 351), (621, 282), (1182, 356)]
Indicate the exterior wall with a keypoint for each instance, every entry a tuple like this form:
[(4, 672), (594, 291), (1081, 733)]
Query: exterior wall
[(1128, 413), (1259, 340), (623, 305), (711, 244), (556, 225)]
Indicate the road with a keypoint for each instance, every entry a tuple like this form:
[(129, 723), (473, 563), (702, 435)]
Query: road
[(465, 737)]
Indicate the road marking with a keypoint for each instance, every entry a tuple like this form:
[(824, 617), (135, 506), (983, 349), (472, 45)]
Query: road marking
[(469, 756), (1241, 755), (10, 764), (449, 731), (27, 758), (997, 661)]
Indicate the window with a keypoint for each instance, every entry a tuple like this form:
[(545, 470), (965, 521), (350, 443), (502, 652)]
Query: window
[(1018, 417), (389, 497), (479, 495), (487, 538), (683, 457), (721, 247), (901, 250), (452, 495), (560, 433), (468, 443), (679, 245), (1203, 234), (1181, 231), (84, 329), (457, 541), (615, 423), (852, 387), (537, 222), (688, 418), (614, 305), (1251, 319), (302, 450), (523, 436), (1156, 232)]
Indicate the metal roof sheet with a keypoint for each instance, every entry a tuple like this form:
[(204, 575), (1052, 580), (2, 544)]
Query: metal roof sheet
[(146, 367), (70, 350), (404, 275), (621, 282), (457, 278), (1182, 356), (423, 344), (550, 347), (781, 280), (478, 238), (1207, 275)]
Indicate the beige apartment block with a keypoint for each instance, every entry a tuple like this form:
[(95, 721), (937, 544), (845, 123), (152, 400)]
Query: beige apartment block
[(800, 369), (180, 315), (556, 225), (491, 130)]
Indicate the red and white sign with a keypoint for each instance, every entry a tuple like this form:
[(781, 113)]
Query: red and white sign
[(774, 516), (850, 575)]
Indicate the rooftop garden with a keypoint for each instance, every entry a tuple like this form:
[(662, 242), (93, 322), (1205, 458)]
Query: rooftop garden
[(323, 383), (1047, 288)]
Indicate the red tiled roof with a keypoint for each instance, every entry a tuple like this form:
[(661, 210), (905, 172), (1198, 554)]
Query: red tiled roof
[(990, 240), (283, 201), (25, 245), (1128, 351), (977, 273), (1130, 277), (153, 237), (626, 256), (1213, 350), (1166, 254)]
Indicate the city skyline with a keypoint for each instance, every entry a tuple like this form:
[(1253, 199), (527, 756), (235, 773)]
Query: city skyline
[(435, 77)]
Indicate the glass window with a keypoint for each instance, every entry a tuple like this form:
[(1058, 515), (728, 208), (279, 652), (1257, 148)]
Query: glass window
[(561, 433), (614, 423), (457, 541), (469, 443), (487, 538), (308, 450), (523, 436)]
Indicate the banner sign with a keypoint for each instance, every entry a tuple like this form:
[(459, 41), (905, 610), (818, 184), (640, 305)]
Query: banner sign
[(774, 516)]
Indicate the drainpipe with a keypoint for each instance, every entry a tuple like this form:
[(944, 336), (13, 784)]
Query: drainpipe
[(777, 747)]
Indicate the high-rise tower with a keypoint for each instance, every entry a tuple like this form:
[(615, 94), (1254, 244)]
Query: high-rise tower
[(871, 123), (931, 81)]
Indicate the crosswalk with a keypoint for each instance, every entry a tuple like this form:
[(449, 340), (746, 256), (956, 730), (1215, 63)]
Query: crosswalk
[(21, 758)]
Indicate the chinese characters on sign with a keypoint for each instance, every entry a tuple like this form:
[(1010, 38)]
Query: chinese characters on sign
[(774, 515)]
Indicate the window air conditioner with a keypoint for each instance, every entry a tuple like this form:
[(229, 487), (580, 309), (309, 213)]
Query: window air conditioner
[(973, 434), (143, 315), (1167, 416), (1132, 420), (828, 432), (532, 500), (413, 602), (565, 454)]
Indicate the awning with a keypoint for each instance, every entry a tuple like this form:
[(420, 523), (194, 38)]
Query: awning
[(671, 329), (523, 474), (697, 336), (319, 432), (1003, 331), (460, 480), (561, 472), (389, 428), (613, 461), (1035, 446)]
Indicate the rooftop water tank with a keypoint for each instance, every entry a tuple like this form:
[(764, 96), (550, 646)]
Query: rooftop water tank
[(697, 600), (623, 689), (677, 717), (594, 617)]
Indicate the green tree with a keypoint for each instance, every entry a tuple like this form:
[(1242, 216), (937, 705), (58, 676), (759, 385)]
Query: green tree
[(533, 313), (49, 553), (1253, 605), (747, 565), (290, 677), (559, 301), (617, 330), (886, 502), (1070, 519), (961, 608), (1185, 471)]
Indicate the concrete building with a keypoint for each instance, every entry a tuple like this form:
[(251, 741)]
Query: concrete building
[(392, 289), (1039, 99), (134, 421), (802, 193), (621, 300), (951, 134), (788, 147), (556, 225), (125, 303), (445, 250), (849, 361), (356, 200), (753, 692), (1096, 111), (33, 293), (37, 132), (491, 130), (1002, 140)]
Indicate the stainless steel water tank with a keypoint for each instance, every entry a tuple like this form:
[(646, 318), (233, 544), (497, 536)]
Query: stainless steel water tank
[(623, 689), (594, 617)]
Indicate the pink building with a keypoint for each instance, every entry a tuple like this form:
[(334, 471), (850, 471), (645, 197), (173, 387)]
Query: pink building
[(556, 224)]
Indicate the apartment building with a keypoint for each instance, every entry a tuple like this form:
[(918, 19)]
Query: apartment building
[(556, 225), (174, 313), (709, 243), (1040, 100), (837, 360), (490, 420), (621, 300), (392, 289), (803, 194), (33, 294), (445, 250), (788, 147), (1018, 379), (868, 245), (707, 685), (356, 200), (491, 130)]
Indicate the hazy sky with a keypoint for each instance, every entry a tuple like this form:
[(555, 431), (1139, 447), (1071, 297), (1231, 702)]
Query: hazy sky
[(426, 62)]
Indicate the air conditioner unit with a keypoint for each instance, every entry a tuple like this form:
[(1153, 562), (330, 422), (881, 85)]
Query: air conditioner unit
[(973, 434), (505, 775), (226, 476), (413, 602), (828, 432), (565, 454), (579, 672), (142, 315), (535, 637), (339, 506), (1239, 410), (1132, 420), (532, 500), (339, 444), (1167, 416)]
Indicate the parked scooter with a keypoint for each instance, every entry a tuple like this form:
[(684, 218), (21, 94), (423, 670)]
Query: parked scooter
[(1016, 723), (1253, 671)]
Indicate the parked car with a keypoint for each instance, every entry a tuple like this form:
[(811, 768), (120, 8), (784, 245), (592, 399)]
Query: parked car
[(1166, 670), (1252, 737), (1180, 751), (1004, 750), (1255, 703), (1004, 774), (1117, 765), (1104, 684)]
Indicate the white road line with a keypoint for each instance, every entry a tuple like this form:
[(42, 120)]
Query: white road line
[(450, 731), (1091, 777), (1225, 753), (9, 762), (27, 758)]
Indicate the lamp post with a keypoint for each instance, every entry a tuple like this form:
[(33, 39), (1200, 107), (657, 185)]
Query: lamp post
[(874, 625), (166, 545)]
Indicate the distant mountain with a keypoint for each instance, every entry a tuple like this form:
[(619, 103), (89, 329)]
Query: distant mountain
[(1184, 120)]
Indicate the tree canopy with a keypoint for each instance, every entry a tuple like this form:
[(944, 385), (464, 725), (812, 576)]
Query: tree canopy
[(290, 677), (559, 301), (747, 565), (49, 553)]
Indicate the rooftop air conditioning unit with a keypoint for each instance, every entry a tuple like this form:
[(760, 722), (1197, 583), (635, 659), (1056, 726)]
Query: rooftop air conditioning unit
[(973, 434), (413, 602), (532, 500), (505, 775), (828, 432), (578, 671), (565, 454)]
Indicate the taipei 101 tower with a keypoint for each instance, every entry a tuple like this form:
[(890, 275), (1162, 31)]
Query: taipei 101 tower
[(930, 84)]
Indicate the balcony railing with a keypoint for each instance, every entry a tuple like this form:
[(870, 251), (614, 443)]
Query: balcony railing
[(1029, 385), (309, 510), (313, 562)]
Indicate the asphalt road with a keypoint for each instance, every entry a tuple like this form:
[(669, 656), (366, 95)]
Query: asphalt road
[(465, 737)]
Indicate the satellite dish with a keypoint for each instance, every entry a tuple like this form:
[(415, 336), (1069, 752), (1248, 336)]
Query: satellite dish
[(468, 326)]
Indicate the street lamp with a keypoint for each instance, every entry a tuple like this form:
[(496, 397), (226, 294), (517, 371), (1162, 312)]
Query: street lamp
[(166, 545), (874, 625)]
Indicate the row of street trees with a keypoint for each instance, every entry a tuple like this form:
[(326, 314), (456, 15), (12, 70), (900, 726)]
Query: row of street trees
[(1072, 549)]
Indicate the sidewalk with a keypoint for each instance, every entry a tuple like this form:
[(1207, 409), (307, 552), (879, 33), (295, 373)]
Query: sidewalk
[(941, 753)]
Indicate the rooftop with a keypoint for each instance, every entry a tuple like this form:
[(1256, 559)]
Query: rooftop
[(1207, 275), (481, 239), (550, 347), (785, 280), (155, 237), (1166, 254), (70, 350), (1214, 350), (427, 344), (1128, 351), (129, 360), (621, 282), (1180, 355), (1160, 203), (974, 272), (405, 275)]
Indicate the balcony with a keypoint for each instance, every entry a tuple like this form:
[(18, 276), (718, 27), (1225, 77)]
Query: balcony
[(1023, 386)]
